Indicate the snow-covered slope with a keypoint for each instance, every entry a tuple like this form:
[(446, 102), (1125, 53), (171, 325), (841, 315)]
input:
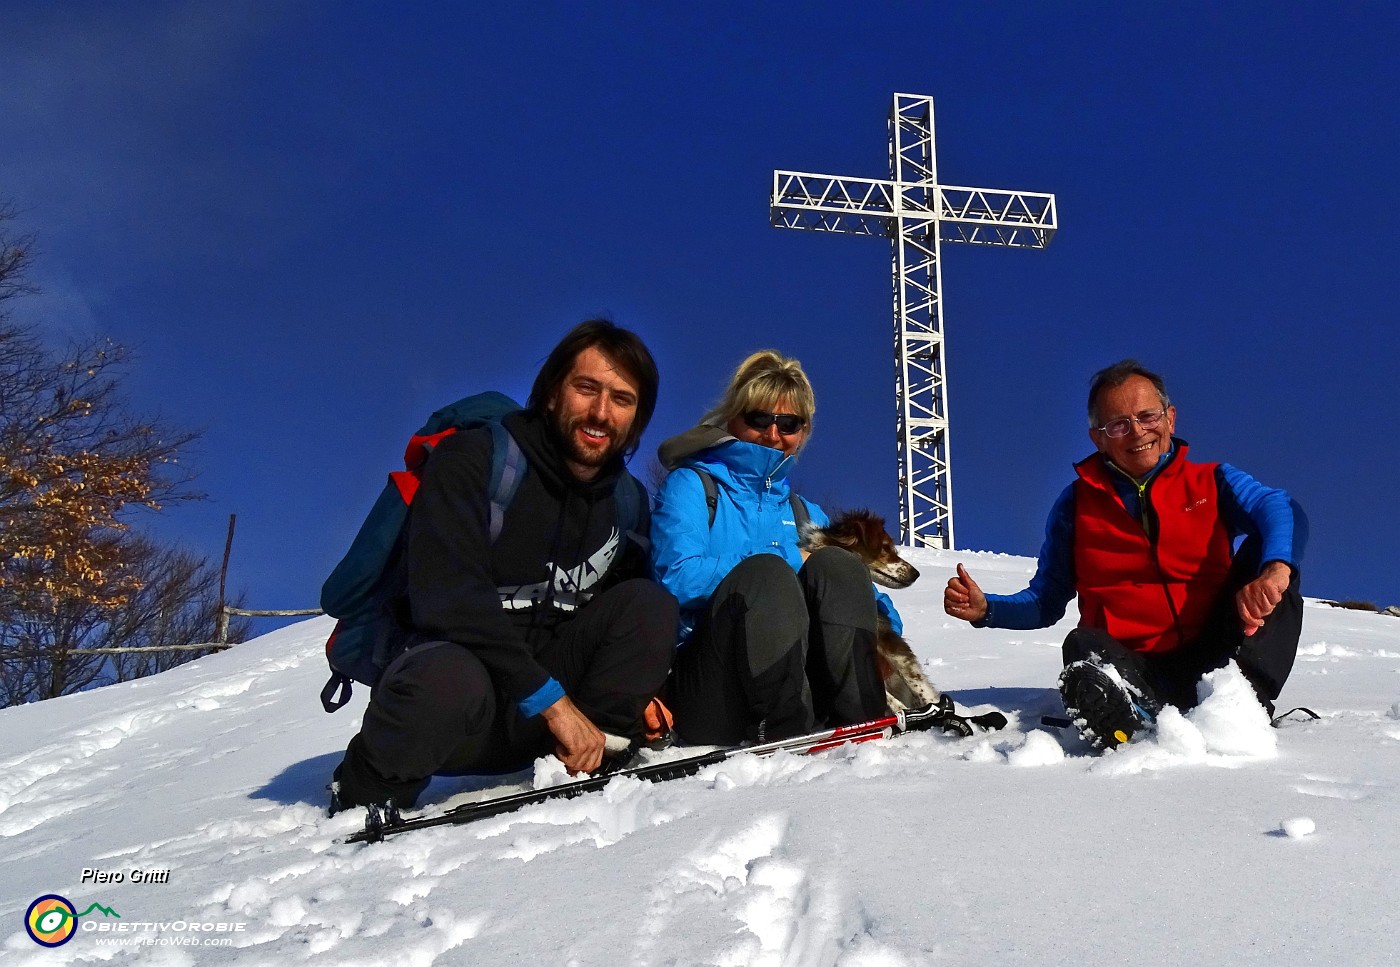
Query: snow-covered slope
[(1012, 848)]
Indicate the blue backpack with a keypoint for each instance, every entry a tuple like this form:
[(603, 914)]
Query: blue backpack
[(358, 592)]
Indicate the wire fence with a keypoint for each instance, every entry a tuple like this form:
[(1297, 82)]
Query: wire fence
[(220, 644)]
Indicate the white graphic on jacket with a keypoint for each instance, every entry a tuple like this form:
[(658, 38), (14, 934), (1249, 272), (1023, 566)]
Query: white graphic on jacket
[(571, 587)]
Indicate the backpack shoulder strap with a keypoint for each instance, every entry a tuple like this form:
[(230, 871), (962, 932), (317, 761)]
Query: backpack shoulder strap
[(507, 471), (628, 500), (707, 481), (801, 516)]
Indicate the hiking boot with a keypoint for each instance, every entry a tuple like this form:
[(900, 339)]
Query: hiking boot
[(341, 798), (337, 803), (1107, 710)]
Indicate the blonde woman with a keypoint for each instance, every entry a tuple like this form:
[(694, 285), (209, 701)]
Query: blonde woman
[(772, 640)]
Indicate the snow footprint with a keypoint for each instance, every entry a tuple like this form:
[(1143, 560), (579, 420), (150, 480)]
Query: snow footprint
[(626, 805), (695, 897), (784, 915), (59, 771)]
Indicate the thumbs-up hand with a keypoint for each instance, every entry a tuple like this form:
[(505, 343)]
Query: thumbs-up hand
[(962, 598)]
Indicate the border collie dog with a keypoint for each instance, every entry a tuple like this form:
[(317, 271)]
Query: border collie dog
[(863, 534)]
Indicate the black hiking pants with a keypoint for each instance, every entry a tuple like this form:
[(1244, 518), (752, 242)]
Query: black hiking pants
[(775, 652), (1265, 657), (436, 710)]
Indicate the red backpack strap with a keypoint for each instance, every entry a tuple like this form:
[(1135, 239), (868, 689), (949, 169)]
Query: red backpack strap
[(419, 446), (414, 456)]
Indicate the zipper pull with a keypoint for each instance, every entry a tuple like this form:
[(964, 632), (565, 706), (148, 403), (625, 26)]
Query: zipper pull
[(1142, 507), (768, 480)]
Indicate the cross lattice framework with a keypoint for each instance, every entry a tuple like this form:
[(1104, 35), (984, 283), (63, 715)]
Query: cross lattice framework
[(917, 214)]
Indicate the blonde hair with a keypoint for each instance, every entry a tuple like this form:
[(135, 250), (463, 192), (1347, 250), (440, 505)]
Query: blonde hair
[(759, 383)]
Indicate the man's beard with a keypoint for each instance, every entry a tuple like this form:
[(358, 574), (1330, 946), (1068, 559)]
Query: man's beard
[(576, 451)]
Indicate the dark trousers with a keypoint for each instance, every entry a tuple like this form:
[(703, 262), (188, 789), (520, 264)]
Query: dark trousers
[(774, 652), (1265, 657), (437, 711)]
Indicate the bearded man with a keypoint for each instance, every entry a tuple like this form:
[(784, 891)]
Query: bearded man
[(548, 638)]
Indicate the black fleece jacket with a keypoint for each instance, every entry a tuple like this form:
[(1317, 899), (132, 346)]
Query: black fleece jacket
[(559, 545)]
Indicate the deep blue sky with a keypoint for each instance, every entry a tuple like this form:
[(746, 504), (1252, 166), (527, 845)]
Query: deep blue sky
[(319, 221)]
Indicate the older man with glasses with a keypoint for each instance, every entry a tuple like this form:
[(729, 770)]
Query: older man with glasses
[(1179, 568)]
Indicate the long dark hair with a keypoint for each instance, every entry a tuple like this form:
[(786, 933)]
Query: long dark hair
[(624, 348)]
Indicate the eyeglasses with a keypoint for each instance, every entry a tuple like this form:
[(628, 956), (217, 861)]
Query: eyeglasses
[(788, 423), (1148, 419)]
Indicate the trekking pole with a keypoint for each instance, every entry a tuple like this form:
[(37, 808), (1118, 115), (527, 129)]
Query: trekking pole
[(928, 717)]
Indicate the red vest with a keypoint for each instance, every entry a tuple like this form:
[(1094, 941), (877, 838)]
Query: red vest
[(1151, 595)]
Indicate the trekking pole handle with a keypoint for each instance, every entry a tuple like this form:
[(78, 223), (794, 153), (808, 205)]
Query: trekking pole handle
[(921, 719)]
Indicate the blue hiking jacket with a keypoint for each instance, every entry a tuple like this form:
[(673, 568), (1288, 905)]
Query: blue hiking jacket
[(753, 516)]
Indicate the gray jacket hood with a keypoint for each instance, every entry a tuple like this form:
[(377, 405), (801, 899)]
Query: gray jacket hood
[(692, 441)]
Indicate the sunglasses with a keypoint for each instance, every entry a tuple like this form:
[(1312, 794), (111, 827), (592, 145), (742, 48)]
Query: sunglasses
[(788, 423)]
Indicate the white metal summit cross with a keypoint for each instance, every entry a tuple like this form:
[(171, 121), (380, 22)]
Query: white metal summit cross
[(917, 214)]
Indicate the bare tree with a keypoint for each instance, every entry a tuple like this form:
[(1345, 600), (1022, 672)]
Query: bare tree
[(73, 464), (175, 604), (76, 464), (15, 253)]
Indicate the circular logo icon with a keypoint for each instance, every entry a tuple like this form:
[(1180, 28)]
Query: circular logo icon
[(50, 921)]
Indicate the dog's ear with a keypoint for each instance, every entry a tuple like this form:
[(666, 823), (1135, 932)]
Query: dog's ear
[(883, 537), (845, 530), (873, 534), (865, 528)]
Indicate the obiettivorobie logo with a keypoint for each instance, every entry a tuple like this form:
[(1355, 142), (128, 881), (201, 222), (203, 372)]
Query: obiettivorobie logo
[(51, 921)]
